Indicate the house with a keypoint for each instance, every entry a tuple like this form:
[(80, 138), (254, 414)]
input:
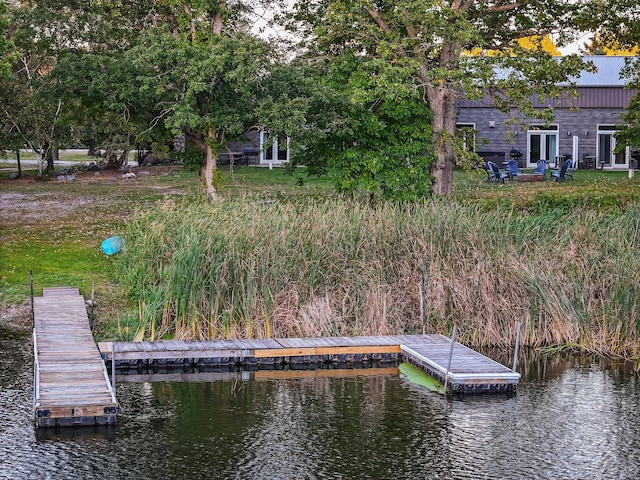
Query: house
[(583, 127), (255, 148)]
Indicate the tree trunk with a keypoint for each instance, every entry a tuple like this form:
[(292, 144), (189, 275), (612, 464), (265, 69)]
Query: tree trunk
[(444, 107), (115, 162), (18, 161), (443, 101), (208, 170), (51, 156), (217, 20)]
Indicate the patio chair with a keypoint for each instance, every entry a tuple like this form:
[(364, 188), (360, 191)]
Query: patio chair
[(513, 170), (494, 173), (560, 174), (572, 168), (541, 167)]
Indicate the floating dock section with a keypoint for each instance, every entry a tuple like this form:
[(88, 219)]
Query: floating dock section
[(462, 369), (71, 386)]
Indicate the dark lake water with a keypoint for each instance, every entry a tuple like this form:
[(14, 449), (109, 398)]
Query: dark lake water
[(572, 418)]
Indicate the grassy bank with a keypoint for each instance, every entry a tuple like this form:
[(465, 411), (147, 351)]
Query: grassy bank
[(255, 269), (273, 258), (55, 229)]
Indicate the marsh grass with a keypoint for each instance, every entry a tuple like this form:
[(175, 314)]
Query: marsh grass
[(243, 268), (275, 259)]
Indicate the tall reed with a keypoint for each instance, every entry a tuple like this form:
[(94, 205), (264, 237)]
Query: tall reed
[(242, 268)]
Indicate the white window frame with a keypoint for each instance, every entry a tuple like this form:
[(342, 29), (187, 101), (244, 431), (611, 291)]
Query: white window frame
[(465, 145), (609, 129), (273, 149), (543, 131)]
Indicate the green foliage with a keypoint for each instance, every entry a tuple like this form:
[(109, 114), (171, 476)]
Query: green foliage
[(363, 118), (192, 158), (201, 85), (7, 49), (447, 50)]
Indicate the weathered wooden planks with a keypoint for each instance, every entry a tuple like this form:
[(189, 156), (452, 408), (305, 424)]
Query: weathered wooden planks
[(71, 386), (470, 371), (466, 371)]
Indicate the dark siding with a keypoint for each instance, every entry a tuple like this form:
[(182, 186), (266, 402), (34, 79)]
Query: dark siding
[(588, 97), (577, 122)]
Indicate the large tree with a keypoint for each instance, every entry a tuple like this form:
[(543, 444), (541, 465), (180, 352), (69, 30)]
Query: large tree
[(202, 66), (436, 39), (42, 31)]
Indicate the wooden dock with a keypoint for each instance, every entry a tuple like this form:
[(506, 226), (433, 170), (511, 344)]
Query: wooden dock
[(71, 386), (468, 372)]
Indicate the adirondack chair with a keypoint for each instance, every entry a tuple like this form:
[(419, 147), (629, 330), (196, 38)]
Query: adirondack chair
[(572, 168), (494, 173), (541, 167), (562, 172), (512, 169)]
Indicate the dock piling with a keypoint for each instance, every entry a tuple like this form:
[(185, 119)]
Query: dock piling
[(113, 368), (453, 341), (515, 353), (33, 317), (423, 294)]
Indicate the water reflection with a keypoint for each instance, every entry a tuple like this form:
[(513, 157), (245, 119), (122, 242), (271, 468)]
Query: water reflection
[(572, 418)]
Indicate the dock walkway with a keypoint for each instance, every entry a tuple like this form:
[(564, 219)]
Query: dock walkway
[(71, 386), (468, 372)]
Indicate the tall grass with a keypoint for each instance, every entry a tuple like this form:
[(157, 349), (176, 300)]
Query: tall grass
[(246, 269)]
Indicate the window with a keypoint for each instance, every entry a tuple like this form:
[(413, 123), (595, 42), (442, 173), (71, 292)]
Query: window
[(273, 151), (606, 146), (542, 143), (467, 131)]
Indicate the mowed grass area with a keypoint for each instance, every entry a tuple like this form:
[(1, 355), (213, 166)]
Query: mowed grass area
[(55, 228)]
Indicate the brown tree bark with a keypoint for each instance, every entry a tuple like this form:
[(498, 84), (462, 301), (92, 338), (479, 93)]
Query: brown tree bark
[(443, 101), (209, 167)]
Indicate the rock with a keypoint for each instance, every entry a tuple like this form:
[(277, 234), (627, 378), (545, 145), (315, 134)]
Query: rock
[(127, 175)]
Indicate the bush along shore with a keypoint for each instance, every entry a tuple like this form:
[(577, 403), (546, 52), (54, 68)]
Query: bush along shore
[(244, 269)]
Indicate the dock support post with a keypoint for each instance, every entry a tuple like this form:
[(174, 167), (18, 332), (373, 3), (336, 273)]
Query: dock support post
[(423, 294), (113, 367), (515, 353), (453, 341), (33, 315)]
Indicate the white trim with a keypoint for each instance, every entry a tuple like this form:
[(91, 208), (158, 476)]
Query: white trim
[(544, 132), (273, 149), (610, 130)]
